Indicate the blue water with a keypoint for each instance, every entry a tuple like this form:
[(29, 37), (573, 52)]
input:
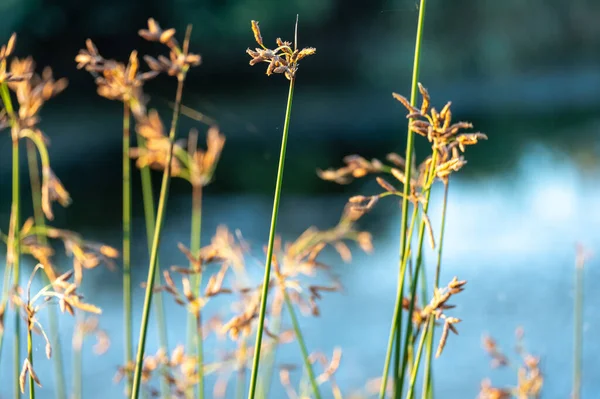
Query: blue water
[(512, 237)]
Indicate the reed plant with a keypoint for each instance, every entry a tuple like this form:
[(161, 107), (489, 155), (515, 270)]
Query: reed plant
[(294, 277)]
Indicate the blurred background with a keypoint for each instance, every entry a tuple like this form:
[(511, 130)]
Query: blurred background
[(527, 73)]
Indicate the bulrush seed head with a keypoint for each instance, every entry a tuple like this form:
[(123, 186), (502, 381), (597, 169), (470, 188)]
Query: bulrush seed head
[(283, 59)]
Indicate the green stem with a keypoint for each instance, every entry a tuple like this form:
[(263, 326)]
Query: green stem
[(405, 201), (415, 368), (302, 344), (264, 385), (195, 235), (38, 214), (127, 242), (427, 380), (267, 275), (397, 310), (16, 205), (17, 260), (30, 357), (149, 215), (162, 206), (200, 355), (418, 264), (578, 327)]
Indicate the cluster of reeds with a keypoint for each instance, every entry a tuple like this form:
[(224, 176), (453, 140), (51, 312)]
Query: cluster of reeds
[(294, 277)]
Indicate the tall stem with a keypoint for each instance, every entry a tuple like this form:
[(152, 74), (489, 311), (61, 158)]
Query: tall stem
[(415, 368), (405, 201), (78, 358), (302, 344), (16, 205), (30, 357), (127, 242), (428, 379), (397, 310), (162, 206), (578, 327), (149, 216), (195, 334), (16, 239), (40, 221), (418, 264), (267, 275)]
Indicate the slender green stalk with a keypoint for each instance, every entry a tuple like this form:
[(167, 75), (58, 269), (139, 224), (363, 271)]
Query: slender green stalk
[(17, 259), (418, 265), (302, 344), (16, 239), (38, 214), (405, 201), (397, 310), (267, 276), (160, 216), (195, 235), (415, 368), (148, 200), (427, 380), (30, 357), (127, 242), (578, 324), (264, 385)]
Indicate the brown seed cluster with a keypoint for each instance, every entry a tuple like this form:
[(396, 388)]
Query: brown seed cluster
[(446, 138), (283, 59), (530, 379), (194, 165)]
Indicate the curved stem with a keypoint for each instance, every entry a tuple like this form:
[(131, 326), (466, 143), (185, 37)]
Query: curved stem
[(266, 279), (405, 201), (149, 216), (128, 335), (427, 379), (302, 344), (162, 205), (38, 213), (16, 239)]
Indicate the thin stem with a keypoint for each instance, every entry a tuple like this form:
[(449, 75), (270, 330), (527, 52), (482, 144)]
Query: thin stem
[(16, 204), (30, 357), (162, 206), (302, 344), (578, 327), (427, 380), (264, 384), (397, 310), (267, 275), (195, 235), (17, 259), (405, 201), (127, 243), (148, 200), (200, 355), (415, 368), (38, 214), (418, 264)]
